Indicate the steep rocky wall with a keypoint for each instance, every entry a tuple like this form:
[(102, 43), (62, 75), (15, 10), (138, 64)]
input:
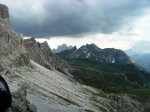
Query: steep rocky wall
[(20, 103), (4, 12), (11, 43), (13, 54), (42, 54)]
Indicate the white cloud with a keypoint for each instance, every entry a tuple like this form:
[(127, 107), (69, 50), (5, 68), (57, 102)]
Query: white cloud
[(123, 39), (101, 40)]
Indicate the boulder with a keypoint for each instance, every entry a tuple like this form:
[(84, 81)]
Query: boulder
[(20, 103)]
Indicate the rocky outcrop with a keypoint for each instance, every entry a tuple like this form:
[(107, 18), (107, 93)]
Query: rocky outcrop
[(127, 104), (4, 12), (13, 54), (22, 60), (42, 54), (20, 103), (11, 43), (94, 53)]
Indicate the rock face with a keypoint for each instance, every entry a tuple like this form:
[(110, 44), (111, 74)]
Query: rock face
[(20, 103), (127, 104), (12, 54), (42, 54), (11, 43), (4, 12), (92, 52)]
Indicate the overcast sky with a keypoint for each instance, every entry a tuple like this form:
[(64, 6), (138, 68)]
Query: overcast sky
[(107, 23)]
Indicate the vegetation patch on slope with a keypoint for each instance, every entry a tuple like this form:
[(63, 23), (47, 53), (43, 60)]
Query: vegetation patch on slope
[(109, 76)]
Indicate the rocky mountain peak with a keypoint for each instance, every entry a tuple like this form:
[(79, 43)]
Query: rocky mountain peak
[(4, 14), (74, 48), (46, 47), (30, 40), (90, 47), (94, 53), (11, 43), (37, 46), (41, 53)]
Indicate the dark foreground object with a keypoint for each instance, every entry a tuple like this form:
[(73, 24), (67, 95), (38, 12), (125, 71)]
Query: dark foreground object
[(5, 95)]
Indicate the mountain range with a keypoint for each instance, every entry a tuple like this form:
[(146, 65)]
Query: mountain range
[(94, 53), (104, 67)]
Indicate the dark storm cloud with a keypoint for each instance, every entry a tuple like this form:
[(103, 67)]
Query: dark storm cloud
[(76, 17)]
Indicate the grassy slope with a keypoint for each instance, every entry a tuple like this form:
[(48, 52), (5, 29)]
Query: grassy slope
[(111, 77)]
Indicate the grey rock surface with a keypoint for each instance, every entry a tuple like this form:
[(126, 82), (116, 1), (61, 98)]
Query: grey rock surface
[(20, 103), (11, 43), (42, 54), (127, 104), (4, 12), (12, 49)]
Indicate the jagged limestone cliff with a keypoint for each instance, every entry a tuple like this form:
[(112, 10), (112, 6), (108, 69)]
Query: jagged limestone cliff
[(11, 43), (41, 53), (12, 54)]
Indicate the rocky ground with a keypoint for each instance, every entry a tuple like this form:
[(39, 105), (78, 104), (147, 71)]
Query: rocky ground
[(52, 91)]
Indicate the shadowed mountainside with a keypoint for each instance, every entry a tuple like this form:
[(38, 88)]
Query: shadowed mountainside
[(94, 53)]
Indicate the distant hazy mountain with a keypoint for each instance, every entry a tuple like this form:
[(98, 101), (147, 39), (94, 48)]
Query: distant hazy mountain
[(94, 53), (139, 48), (140, 54), (61, 48), (143, 60)]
